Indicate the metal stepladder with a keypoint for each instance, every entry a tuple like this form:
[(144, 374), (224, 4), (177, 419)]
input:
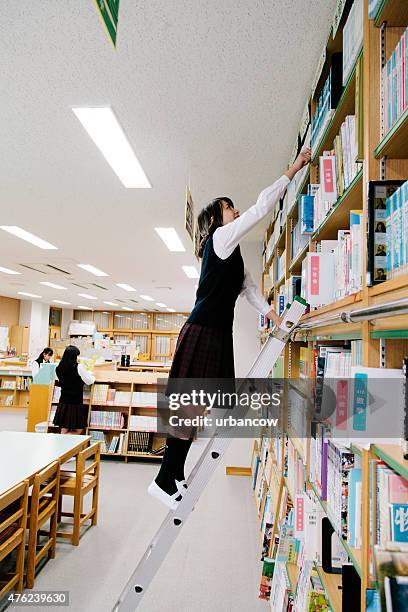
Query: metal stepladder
[(210, 458)]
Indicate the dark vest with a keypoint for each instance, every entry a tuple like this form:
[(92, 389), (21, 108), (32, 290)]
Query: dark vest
[(72, 387), (219, 286)]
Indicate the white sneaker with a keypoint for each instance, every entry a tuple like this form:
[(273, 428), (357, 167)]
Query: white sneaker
[(168, 500), (181, 486)]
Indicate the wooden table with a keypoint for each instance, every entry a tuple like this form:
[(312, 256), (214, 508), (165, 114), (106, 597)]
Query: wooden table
[(23, 454)]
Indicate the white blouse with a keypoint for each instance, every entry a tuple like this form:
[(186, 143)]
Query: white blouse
[(227, 237), (85, 374)]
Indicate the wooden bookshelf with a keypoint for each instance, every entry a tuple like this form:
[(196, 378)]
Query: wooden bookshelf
[(293, 575), (17, 378), (395, 143), (393, 456), (393, 12), (385, 340), (332, 585)]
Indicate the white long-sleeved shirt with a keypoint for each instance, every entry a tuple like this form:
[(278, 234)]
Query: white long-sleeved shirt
[(227, 237), (85, 374)]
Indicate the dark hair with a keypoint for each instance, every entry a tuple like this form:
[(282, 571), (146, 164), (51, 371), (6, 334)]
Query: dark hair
[(46, 351), (209, 219), (68, 361)]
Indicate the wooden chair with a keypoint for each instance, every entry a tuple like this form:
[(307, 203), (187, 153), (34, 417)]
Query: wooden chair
[(13, 520), (43, 508), (77, 485)]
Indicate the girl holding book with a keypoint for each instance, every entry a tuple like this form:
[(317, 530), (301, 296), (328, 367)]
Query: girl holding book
[(71, 414), (205, 346), (43, 357)]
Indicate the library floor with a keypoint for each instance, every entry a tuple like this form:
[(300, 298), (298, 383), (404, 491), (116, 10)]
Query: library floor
[(213, 565)]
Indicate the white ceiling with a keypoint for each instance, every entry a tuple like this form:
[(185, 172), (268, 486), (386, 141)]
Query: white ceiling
[(207, 93)]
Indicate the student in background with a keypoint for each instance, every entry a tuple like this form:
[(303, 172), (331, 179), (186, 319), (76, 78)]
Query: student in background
[(43, 357), (71, 414)]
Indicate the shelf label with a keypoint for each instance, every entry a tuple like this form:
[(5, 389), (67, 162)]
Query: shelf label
[(342, 407), (314, 274)]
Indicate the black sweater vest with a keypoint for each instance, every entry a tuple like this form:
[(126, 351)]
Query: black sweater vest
[(72, 387), (219, 286)]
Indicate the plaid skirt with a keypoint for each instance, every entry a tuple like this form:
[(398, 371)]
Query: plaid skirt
[(203, 352)]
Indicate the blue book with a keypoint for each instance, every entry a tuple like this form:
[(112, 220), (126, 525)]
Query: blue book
[(355, 476), (306, 214), (399, 522)]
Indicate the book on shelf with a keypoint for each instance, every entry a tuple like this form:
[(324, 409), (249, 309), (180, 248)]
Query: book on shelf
[(139, 442), (144, 398), (392, 509), (100, 393), (397, 232), (394, 81), (352, 38), (340, 461), (299, 241), (8, 384), (146, 423), (266, 578), (391, 561), (328, 100), (107, 419), (373, 6), (113, 445), (379, 230)]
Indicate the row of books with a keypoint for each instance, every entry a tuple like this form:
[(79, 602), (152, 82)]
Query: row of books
[(327, 101), (8, 384), (394, 81), (335, 270), (280, 265), (298, 241), (7, 400), (105, 395), (145, 423), (337, 169), (23, 383), (352, 38), (107, 419), (112, 445), (139, 442)]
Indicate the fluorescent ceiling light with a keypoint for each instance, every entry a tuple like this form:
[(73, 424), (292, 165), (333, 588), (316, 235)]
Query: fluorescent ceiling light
[(170, 238), (60, 302), (171, 310), (21, 233), (52, 285), (104, 129), (92, 269), (125, 287), (161, 304), (190, 271), (84, 307), (147, 298), (111, 304), (8, 271), (87, 297), (126, 308), (29, 294)]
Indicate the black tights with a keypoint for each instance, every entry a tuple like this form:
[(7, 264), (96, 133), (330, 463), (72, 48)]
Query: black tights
[(172, 467)]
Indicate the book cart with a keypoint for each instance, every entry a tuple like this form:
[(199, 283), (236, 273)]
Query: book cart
[(283, 465)]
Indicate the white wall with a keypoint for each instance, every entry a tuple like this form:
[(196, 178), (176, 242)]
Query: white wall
[(67, 316), (246, 347), (36, 316)]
